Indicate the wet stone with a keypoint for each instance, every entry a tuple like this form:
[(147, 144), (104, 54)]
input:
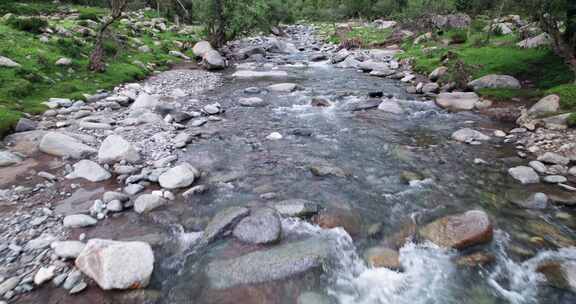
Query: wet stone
[(261, 227), (460, 231), (222, 222)]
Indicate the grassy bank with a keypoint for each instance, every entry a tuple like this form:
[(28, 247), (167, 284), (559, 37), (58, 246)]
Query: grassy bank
[(23, 89)]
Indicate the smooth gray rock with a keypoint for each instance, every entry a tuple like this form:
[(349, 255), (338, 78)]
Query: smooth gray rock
[(181, 176), (555, 179), (528, 200), (8, 63), (525, 175), (117, 265), (148, 202), (116, 149), (67, 249), (9, 284), (264, 266), (468, 136), (261, 227), (8, 158), (538, 166), (297, 208), (546, 105), (390, 106), (145, 101), (252, 102), (58, 144), (495, 82), (222, 222), (112, 196), (554, 158), (438, 73), (202, 48), (25, 125), (79, 221), (457, 101), (283, 87), (89, 170), (212, 60)]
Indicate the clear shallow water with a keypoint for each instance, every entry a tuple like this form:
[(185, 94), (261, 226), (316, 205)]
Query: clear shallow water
[(374, 148)]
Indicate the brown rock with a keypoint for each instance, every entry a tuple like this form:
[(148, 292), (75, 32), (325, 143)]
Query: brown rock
[(476, 259), (460, 231), (379, 257), (335, 217), (559, 274)]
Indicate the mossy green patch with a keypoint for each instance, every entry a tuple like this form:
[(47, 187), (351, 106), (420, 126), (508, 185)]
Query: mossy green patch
[(567, 93), (369, 36)]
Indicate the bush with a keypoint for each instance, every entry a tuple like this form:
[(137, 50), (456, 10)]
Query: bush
[(70, 47), (572, 120), (89, 16), (458, 38), (567, 95), (31, 25), (19, 88)]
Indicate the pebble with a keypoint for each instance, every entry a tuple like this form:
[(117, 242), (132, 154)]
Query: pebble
[(555, 179), (274, 136)]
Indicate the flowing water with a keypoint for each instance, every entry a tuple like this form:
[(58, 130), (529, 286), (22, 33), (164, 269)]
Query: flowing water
[(374, 148)]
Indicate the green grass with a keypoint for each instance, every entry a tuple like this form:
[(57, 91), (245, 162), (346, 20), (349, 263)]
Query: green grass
[(38, 79), (567, 93), (369, 36), (27, 8), (508, 94)]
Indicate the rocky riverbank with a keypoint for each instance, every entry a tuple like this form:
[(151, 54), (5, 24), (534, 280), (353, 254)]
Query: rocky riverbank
[(128, 165)]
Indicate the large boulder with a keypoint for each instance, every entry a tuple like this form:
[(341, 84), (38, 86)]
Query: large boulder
[(261, 227), (457, 101), (278, 263), (89, 170), (546, 105), (534, 42), (340, 56), (495, 82), (460, 231), (117, 265), (58, 144), (202, 48), (180, 176), (115, 149), (212, 60), (438, 73)]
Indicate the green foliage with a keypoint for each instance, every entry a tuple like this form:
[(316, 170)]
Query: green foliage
[(567, 93), (458, 37), (28, 24), (27, 8), (8, 118), (89, 16), (572, 120)]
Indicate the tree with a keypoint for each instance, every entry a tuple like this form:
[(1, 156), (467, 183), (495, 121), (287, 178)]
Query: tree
[(97, 58), (558, 19)]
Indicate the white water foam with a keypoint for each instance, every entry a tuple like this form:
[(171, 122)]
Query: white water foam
[(518, 282), (426, 276)]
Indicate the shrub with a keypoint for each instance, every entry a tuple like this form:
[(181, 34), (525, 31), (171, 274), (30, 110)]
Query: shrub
[(70, 47), (19, 88), (572, 120), (458, 38), (31, 25), (89, 16)]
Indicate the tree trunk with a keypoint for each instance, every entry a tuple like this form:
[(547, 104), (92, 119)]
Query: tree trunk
[(219, 36), (97, 57)]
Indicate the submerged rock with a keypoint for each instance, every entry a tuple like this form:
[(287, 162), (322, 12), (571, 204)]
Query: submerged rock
[(148, 202), (460, 231), (378, 257), (117, 265), (222, 222), (261, 227), (297, 208), (469, 136), (283, 87), (8, 158), (264, 266), (560, 274), (528, 200)]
